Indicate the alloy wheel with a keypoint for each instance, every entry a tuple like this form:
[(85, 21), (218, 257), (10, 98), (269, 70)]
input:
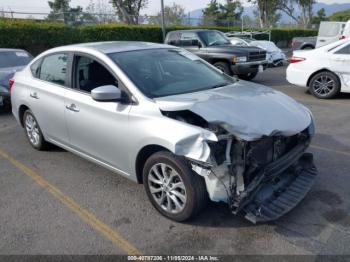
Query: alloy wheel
[(32, 129), (167, 188), (323, 85)]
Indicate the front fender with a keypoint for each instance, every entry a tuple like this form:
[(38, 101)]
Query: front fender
[(178, 137)]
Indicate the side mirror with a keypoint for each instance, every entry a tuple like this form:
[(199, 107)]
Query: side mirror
[(199, 44), (107, 93)]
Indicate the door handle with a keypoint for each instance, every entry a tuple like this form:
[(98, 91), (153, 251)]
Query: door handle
[(340, 59), (322, 40), (34, 95), (73, 108)]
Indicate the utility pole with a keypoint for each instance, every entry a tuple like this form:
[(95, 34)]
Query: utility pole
[(163, 22)]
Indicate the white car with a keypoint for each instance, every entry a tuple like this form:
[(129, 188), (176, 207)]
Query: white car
[(325, 71), (274, 55)]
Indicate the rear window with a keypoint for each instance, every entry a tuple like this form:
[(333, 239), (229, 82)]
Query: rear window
[(329, 30), (14, 58)]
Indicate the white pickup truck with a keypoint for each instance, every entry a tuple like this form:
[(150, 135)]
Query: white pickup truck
[(328, 32)]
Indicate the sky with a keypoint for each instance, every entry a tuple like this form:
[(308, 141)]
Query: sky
[(152, 8)]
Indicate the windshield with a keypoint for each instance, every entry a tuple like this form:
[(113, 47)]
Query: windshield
[(164, 72), (212, 38), (14, 58), (238, 42)]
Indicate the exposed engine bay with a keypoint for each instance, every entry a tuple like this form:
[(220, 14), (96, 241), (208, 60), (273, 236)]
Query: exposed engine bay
[(265, 177)]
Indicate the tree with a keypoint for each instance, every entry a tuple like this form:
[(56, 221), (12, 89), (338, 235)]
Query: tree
[(287, 6), (222, 14), (306, 11), (230, 12), (210, 13), (174, 15), (100, 11), (321, 16), (128, 11), (59, 10), (340, 16), (267, 11)]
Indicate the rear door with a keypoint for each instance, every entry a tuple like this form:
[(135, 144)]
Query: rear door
[(47, 91), (341, 65), (329, 32)]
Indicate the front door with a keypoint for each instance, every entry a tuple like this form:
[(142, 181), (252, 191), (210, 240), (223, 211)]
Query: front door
[(191, 42), (96, 129)]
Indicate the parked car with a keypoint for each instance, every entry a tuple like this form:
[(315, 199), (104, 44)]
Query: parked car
[(161, 116), (328, 32), (324, 71), (304, 43), (274, 55), (214, 47), (11, 61)]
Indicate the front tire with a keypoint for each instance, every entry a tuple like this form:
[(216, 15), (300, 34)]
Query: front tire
[(325, 85), (248, 76), (224, 67), (172, 187), (33, 131)]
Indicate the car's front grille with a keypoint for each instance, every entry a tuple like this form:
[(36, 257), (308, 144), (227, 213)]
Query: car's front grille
[(262, 152), (257, 56)]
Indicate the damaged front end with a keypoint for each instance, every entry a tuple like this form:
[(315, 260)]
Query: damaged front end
[(265, 178)]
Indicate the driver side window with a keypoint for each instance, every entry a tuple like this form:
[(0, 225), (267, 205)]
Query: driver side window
[(90, 74), (189, 39)]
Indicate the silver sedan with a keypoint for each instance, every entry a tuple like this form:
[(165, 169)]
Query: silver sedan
[(161, 116)]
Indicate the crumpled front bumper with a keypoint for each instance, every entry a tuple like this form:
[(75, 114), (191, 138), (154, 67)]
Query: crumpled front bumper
[(277, 196)]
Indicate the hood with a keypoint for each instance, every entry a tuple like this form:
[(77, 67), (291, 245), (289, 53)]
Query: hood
[(247, 110), (232, 49), (7, 73)]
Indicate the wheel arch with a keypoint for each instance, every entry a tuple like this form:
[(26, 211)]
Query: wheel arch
[(217, 59), (142, 157), (21, 111), (319, 71), (307, 46)]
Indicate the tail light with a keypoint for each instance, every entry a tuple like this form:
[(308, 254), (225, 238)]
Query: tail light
[(342, 37), (295, 59), (11, 82)]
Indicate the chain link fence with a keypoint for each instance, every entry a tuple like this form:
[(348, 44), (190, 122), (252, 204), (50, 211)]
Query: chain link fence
[(86, 18)]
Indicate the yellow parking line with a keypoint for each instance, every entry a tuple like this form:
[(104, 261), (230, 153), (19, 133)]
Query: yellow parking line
[(84, 214), (331, 150)]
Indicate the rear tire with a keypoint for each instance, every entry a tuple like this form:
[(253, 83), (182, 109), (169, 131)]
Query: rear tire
[(172, 187), (224, 67), (33, 131), (325, 85), (248, 77)]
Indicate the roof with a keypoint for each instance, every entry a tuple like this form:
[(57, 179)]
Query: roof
[(121, 46), (10, 50)]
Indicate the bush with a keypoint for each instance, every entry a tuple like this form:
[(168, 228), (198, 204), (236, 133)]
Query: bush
[(37, 36)]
